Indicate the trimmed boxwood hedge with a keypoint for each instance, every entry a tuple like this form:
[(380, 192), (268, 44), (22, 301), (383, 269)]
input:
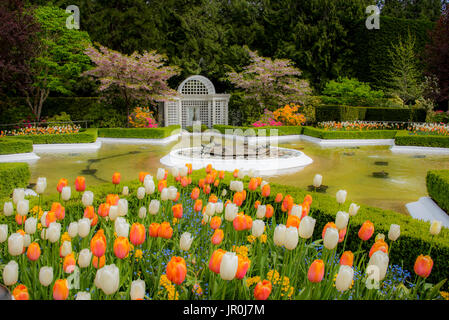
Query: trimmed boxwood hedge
[(405, 138), (368, 134), (138, 133), (282, 130), (83, 136), (13, 175), (13, 145), (437, 182)]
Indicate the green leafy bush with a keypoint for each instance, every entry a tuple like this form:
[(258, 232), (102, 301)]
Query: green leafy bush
[(282, 130), (13, 175), (138, 133), (350, 92), (405, 138), (437, 182), (369, 134), (62, 117), (14, 145), (83, 136)]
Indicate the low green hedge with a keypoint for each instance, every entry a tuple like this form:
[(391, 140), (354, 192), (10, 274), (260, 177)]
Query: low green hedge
[(367, 134), (203, 128), (138, 133), (405, 138), (83, 136), (282, 130), (13, 175), (437, 182), (13, 145)]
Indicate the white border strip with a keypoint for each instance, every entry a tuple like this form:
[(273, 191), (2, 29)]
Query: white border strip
[(66, 147), (415, 149), (426, 209), (19, 157), (163, 141)]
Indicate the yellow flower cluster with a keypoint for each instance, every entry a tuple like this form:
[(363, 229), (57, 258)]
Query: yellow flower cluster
[(240, 250), (169, 287), (288, 116), (175, 221), (65, 237), (197, 289), (138, 254), (445, 295), (37, 211), (273, 276), (262, 238), (252, 280)]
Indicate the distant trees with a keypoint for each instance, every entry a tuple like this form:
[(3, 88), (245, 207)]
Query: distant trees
[(413, 9)]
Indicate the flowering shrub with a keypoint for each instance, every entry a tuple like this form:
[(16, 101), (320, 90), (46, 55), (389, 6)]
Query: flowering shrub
[(142, 118), (359, 126), (267, 119), (438, 116), (30, 130), (285, 116)]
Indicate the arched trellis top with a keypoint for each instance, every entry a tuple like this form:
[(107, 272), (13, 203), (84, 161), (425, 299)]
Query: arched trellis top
[(196, 85)]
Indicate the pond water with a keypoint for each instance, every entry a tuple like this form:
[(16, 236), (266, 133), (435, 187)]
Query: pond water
[(349, 168)]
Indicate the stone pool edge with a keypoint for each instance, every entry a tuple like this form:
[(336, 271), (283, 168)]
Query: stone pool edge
[(19, 157)]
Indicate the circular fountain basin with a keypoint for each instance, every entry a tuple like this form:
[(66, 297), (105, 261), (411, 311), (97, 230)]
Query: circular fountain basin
[(279, 161)]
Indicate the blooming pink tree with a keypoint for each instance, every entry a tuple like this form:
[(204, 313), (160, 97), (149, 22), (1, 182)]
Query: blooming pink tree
[(137, 78), (271, 83)]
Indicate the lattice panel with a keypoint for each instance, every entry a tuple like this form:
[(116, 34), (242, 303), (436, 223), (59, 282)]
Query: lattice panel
[(218, 112), (194, 87), (172, 113)]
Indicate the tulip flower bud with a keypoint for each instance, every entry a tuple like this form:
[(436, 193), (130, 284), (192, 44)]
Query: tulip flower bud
[(344, 278), (228, 265), (317, 180), (15, 244), (341, 220), (306, 227), (330, 238), (8, 209), (210, 209), (242, 174), (261, 210), (66, 193), (395, 232), (435, 227), (125, 191), (142, 212), (88, 198), (84, 227), (175, 172), (341, 196), (154, 206), (353, 209), (73, 229), (172, 193), (379, 236), (160, 175), (257, 228), (186, 241), (46, 276), (296, 210), (3, 232), (44, 219), (108, 279), (122, 207), (231, 212), (23, 206), (11, 273), (30, 225), (291, 238), (41, 185), (137, 289), (113, 212), (149, 185), (84, 258), (66, 248), (17, 195), (121, 227), (223, 193), (379, 263), (44, 234), (279, 235), (81, 295), (219, 207), (140, 193), (54, 232), (26, 240), (164, 194)]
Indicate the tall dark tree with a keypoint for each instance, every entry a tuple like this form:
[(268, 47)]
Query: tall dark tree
[(413, 9)]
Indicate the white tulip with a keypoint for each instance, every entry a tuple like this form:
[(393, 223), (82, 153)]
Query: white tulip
[(228, 266), (23, 206), (137, 289), (84, 258), (257, 228), (30, 225), (231, 211), (149, 186), (46, 276), (3, 232), (15, 244), (160, 174), (379, 263), (219, 207), (317, 180), (26, 240), (291, 238), (121, 227), (341, 196), (306, 227), (122, 207), (154, 206), (66, 193), (140, 193), (236, 186), (344, 278), (261, 210), (341, 220), (330, 238), (183, 171), (44, 219), (108, 279), (81, 295), (242, 174), (44, 234), (66, 248), (353, 209), (18, 194), (113, 212), (41, 185), (148, 177), (142, 212), (185, 241), (435, 227), (206, 218), (73, 229), (88, 198), (11, 273), (54, 232), (84, 227), (174, 172), (210, 209), (279, 235), (164, 194), (296, 210), (8, 209), (125, 191), (395, 232), (172, 193)]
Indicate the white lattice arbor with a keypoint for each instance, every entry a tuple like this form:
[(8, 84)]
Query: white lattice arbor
[(198, 100)]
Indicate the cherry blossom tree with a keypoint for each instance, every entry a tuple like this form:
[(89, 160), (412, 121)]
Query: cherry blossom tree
[(270, 83), (136, 78)]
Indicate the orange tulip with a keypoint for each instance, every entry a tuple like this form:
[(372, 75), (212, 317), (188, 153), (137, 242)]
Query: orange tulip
[(215, 260), (33, 251), (293, 221), (80, 184), (137, 234), (59, 210), (209, 179), (176, 270), (341, 235), (95, 261), (244, 194), (177, 210), (209, 168), (249, 222), (243, 266), (217, 237), (206, 188), (316, 271), (262, 290), (201, 183), (423, 266), (165, 230), (328, 225), (256, 204), (269, 211), (142, 175), (60, 289), (98, 244), (259, 181), (366, 230), (240, 222), (235, 173), (252, 184), (305, 210), (238, 198), (213, 198), (287, 203), (379, 245), (20, 219), (69, 263), (153, 229), (308, 199), (266, 190), (347, 258), (177, 196), (21, 292), (112, 199), (215, 222), (221, 174), (184, 182), (103, 210), (189, 168), (116, 178), (178, 178), (161, 185), (61, 184), (50, 218), (278, 198), (195, 193), (198, 205), (121, 247), (89, 213)]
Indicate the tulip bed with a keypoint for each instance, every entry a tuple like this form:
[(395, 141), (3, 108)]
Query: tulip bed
[(204, 235)]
